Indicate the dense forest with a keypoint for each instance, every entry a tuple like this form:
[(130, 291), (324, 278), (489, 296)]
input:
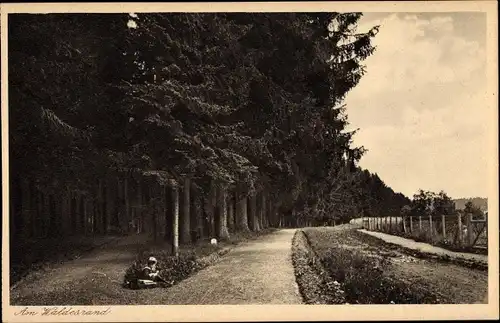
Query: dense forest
[(181, 124)]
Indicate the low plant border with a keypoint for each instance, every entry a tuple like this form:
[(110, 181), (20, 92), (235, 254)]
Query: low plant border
[(315, 285)]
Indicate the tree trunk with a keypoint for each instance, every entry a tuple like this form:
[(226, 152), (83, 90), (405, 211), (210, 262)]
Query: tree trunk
[(104, 214), (81, 211), (261, 208), (175, 222), (197, 212), (241, 214), (230, 212), (209, 212), (153, 210), (109, 204), (186, 216), (222, 231), (55, 229), (120, 205), (161, 212), (97, 208), (89, 215), (254, 223), (269, 214), (267, 218), (138, 212), (169, 220), (147, 211), (127, 205), (193, 211)]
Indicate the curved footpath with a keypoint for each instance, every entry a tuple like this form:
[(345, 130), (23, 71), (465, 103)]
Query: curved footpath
[(425, 247)]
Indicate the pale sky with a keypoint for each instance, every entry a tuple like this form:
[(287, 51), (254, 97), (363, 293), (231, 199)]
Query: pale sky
[(421, 105)]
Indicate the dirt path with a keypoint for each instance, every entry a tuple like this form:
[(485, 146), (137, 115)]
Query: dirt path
[(53, 285), (425, 247), (258, 272), (254, 272)]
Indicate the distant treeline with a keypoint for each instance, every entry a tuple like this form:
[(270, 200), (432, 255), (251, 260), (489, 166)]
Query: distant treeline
[(479, 202)]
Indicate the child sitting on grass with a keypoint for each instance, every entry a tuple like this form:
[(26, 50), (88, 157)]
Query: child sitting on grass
[(150, 271)]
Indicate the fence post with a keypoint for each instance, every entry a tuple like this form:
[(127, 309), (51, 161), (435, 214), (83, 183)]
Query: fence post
[(443, 219), (390, 224), (459, 220), (420, 223), (469, 230), (403, 218), (411, 224)]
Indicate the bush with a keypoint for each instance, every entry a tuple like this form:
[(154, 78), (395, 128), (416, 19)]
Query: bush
[(171, 269)]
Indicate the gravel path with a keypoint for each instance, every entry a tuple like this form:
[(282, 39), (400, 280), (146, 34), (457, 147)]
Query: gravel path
[(257, 272), (425, 247)]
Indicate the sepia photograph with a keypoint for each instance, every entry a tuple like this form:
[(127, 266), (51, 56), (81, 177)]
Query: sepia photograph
[(303, 156)]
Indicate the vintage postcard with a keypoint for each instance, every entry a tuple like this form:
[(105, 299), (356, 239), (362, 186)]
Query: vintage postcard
[(251, 161)]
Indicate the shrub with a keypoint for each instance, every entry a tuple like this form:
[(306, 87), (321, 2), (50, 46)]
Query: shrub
[(171, 269)]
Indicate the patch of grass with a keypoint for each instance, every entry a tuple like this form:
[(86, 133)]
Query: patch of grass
[(363, 280), (34, 255), (359, 272)]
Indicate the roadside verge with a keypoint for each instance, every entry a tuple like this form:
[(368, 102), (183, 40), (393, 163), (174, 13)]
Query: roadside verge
[(427, 251)]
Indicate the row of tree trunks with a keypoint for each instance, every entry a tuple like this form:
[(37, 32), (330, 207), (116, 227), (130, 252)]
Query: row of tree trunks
[(126, 205), (42, 214)]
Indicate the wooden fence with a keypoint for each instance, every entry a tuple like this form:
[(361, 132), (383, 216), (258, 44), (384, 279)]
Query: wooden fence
[(457, 229)]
